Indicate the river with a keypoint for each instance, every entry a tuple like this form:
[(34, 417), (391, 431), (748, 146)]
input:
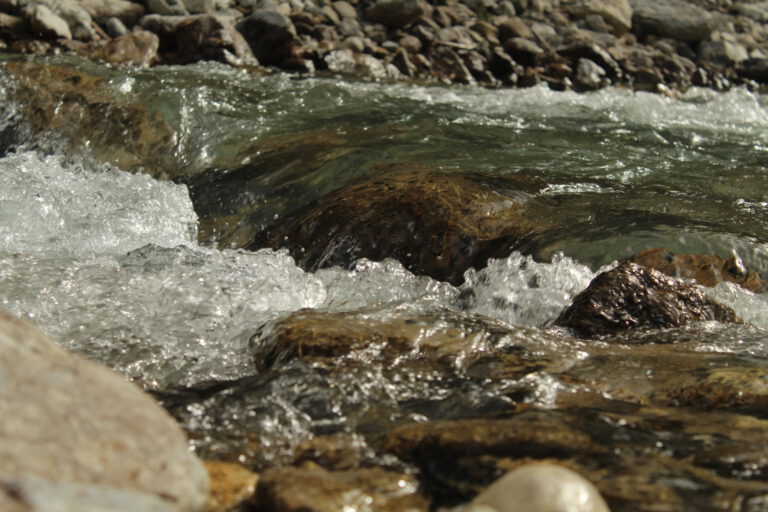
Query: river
[(112, 264)]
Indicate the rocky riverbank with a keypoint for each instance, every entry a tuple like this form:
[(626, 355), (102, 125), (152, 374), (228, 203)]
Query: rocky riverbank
[(650, 45)]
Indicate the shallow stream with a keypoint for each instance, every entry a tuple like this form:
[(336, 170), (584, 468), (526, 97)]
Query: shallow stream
[(114, 265)]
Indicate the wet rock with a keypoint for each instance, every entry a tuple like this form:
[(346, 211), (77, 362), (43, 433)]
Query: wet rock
[(616, 13), (138, 48), (82, 107), (46, 24), (231, 485), (11, 25), (542, 487), (311, 488), (395, 13), (671, 18), (588, 76), (594, 53), (632, 296), (74, 433), (706, 270), (449, 65), (270, 35), (435, 223)]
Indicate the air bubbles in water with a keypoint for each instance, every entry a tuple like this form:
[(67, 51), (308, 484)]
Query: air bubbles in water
[(521, 291), (62, 208)]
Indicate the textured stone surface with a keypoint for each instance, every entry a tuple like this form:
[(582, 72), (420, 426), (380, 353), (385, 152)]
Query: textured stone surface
[(82, 107), (231, 485), (632, 296), (707, 270), (435, 223), (616, 13), (310, 488), (75, 431)]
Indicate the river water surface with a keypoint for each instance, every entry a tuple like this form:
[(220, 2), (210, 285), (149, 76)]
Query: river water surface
[(110, 263)]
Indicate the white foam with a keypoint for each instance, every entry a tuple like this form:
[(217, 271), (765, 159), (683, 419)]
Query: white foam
[(60, 208), (521, 291)]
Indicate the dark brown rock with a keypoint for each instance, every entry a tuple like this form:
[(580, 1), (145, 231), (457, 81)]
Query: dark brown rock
[(435, 223), (310, 488), (524, 51), (632, 296), (707, 270)]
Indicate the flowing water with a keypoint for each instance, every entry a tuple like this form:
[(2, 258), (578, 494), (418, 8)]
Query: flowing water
[(110, 263)]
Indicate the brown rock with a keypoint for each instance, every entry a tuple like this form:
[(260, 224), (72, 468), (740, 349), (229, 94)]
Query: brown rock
[(707, 270), (632, 296), (435, 223), (83, 107), (211, 37), (231, 485), (311, 488)]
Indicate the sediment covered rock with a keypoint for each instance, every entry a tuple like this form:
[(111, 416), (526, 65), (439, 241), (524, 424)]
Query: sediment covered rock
[(632, 296), (76, 434)]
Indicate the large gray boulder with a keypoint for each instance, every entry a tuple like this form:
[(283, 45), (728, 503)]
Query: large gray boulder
[(75, 434), (672, 18)]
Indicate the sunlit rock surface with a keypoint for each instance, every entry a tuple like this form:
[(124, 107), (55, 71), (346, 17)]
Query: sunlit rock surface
[(76, 434), (435, 223), (232, 485), (707, 270), (631, 296)]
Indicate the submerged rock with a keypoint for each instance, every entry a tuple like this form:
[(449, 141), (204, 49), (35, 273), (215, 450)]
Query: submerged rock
[(542, 488), (84, 109), (310, 488), (435, 223), (76, 434), (707, 270), (632, 296)]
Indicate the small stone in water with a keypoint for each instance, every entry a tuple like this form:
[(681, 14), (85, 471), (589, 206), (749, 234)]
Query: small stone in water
[(540, 488)]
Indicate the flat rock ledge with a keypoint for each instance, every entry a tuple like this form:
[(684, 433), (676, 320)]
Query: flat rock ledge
[(78, 435)]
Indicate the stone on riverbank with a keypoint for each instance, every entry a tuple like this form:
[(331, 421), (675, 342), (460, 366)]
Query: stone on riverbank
[(76, 434), (310, 488), (436, 223), (632, 296)]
